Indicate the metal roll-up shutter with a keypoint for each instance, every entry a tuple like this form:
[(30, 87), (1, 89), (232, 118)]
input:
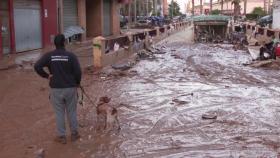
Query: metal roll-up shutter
[(28, 27), (4, 27), (107, 17), (70, 13)]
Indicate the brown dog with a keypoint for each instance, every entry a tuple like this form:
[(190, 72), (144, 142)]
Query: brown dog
[(105, 110)]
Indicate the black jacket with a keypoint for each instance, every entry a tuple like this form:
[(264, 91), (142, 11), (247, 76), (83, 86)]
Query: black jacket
[(63, 66)]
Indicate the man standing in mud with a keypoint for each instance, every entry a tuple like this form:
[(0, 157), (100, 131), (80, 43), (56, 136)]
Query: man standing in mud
[(64, 77)]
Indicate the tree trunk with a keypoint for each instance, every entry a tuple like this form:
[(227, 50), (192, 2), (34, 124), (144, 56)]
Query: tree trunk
[(154, 7), (129, 16), (193, 7), (172, 9), (201, 7), (211, 3), (222, 5), (269, 7), (245, 7), (147, 7), (135, 11)]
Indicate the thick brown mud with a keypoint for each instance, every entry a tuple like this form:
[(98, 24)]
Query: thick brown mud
[(160, 104)]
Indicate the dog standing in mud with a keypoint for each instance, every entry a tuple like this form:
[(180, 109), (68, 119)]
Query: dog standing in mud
[(109, 113)]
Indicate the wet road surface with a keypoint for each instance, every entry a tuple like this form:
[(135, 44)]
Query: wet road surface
[(162, 103)]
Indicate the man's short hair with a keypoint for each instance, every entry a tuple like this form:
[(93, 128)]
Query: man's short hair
[(59, 41)]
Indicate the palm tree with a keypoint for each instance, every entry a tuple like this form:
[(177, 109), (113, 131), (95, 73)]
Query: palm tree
[(236, 7), (245, 7), (211, 3), (193, 7), (222, 5), (201, 7), (155, 7)]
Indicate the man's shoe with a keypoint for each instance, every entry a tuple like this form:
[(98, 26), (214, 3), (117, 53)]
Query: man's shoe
[(75, 136), (60, 139)]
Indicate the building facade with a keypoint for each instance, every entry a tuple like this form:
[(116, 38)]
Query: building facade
[(228, 7), (276, 14), (165, 8), (32, 24), (197, 7), (26, 24)]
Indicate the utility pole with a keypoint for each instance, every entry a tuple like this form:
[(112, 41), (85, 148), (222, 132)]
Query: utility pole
[(222, 6), (129, 16), (147, 7), (269, 7), (264, 6), (154, 7), (135, 11), (211, 4), (172, 8), (201, 7), (192, 7), (245, 7)]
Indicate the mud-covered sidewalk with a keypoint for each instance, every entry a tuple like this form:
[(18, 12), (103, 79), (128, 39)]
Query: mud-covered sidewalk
[(160, 102)]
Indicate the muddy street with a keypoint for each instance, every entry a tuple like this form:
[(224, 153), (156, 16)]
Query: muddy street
[(161, 103)]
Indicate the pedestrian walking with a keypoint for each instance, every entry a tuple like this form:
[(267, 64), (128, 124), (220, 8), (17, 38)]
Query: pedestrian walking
[(64, 78)]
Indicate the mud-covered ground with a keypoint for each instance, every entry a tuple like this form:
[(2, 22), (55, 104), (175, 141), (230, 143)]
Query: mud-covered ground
[(160, 104)]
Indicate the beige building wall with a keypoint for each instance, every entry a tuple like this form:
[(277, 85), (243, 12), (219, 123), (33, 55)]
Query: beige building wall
[(115, 18), (251, 4), (197, 9), (216, 6), (276, 15), (82, 16), (165, 7), (94, 20)]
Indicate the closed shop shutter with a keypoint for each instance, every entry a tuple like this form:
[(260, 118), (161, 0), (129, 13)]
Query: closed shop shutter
[(107, 17), (70, 13), (4, 26), (27, 4), (28, 29)]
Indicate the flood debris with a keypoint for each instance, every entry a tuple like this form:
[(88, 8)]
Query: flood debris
[(269, 64), (264, 63), (176, 56), (211, 29), (209, 116), (123, 66), (189, 94), (145, 55), (40, 153), (117, 74), (91, 70), (179, 102), (27, 61)]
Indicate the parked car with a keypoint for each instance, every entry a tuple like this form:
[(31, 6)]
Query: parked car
[(143, 22), (157, 20), (123, 21), (265, 20)]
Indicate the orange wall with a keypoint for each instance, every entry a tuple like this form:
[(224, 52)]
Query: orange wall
[(94, 21), (94, 18)]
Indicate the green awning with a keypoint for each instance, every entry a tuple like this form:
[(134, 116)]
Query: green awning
[(208, 18)]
